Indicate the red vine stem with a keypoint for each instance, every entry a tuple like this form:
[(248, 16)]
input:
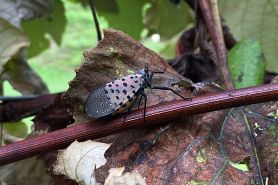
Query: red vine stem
[(155, 115)]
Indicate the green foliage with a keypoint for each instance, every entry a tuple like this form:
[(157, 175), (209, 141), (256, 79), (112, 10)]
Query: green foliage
[(38, 28), (254, 19), (107, 6), (167, 19), (129, 17), (246, 64), (56, 65), (18, 129), (240, 166)]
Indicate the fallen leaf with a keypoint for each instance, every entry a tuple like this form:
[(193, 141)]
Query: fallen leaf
[(25, 172), (79, 161), (22, 77), (116, 176), (115, 56), (12, 41), (55, 116), (198, 149)]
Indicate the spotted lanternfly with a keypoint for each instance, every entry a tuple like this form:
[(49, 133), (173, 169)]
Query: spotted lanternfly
[(119, 95)]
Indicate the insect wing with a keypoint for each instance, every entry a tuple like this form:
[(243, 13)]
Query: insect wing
[(122, 90), (98, 104)]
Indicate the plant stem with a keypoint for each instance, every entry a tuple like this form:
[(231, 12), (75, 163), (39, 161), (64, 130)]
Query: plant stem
[(154, 115), (213, 23), (93, 9)]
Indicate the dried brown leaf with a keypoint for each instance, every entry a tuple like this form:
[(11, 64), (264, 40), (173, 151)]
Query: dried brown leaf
[(115, 56), (116, 176)]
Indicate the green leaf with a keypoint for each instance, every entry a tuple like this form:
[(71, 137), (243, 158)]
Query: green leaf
[(12, 40), (128, 18), (240, 166), (18, 129), (246, 64), (38, 28), (257, 19), (167, 19), (107, 5)]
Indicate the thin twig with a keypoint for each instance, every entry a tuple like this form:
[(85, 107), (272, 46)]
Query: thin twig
[(95, 19), (257, 167), (220, 45), (211, 18), (154, 115)]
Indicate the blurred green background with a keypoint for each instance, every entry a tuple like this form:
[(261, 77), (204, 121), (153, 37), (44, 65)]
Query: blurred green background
[(56, 65)]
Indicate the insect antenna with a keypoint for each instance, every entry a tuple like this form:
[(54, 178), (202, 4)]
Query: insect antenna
[(170, 89)]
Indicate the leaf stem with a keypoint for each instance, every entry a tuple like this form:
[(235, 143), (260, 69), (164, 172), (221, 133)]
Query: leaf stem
[(212, 19), (93, 9)]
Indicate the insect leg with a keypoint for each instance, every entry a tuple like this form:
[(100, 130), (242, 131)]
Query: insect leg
[(145, 105), (168, 88), (131, 106), (140, 101)]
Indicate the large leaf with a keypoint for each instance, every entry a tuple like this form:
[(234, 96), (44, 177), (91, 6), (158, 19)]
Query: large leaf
[(12, 40), (38, 28), (128, 18), (246, 64), (167, 19), (21, 76), (18, 10), (257, 19), (117, 55)]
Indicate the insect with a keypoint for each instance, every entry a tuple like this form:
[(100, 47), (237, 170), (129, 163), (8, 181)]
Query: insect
[(120, 95)]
